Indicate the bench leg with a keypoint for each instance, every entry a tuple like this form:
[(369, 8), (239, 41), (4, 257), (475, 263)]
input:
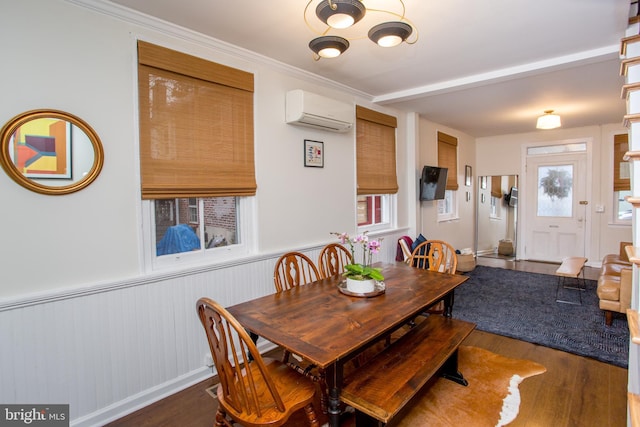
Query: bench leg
[(364, 420), (580, 286), (450, 370)]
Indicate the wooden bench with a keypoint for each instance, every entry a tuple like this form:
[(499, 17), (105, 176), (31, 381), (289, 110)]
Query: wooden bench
[(571, 268), (380, 388)]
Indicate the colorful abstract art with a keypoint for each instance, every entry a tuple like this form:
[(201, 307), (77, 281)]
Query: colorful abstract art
[(41, 148)]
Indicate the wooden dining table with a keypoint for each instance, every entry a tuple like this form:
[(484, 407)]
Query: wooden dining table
[(328, 328)]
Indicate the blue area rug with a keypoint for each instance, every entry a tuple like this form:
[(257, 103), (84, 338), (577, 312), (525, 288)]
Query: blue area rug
[(523, 305)]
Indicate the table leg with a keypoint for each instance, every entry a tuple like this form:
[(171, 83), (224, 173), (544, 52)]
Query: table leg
[(448, 305), (334, 383)]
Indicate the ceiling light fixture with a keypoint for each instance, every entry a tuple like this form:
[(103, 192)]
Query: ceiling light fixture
[(340, 13), (548, 120), (340, 17), (389, 34), (329, 46)]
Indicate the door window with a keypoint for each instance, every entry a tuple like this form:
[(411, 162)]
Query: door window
[(555, 191)]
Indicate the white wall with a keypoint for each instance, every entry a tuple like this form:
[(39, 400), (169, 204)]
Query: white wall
[(94, 235), (460, 232), (81, 320)]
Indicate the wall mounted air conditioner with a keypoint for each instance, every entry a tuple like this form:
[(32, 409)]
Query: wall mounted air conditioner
[(309, 109)]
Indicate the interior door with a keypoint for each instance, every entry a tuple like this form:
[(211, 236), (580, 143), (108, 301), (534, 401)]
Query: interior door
[(556, 211)]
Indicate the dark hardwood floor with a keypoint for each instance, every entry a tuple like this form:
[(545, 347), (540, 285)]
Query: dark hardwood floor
[(575, 391)]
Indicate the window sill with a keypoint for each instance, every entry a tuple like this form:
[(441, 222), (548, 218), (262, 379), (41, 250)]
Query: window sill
[(452, 219)]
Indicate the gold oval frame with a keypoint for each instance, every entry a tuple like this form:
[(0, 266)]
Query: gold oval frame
[(9, 167)]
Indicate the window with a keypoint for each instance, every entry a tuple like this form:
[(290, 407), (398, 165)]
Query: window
[(624, 209), (376, 167), (621, 179), (193, 210), (448, 207), (196, 153), (555, 191), (373, 211), (494, 211), (194, 224)]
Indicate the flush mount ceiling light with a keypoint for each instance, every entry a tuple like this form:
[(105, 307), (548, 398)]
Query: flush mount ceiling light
[(387, 28), (389, 34), (548, 120), (340, 13), (328, 46)]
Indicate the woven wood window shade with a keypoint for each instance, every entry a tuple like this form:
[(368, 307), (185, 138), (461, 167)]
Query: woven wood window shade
[(375, 152), (448, 158), (496, 186), (620, 147), (196, 126)]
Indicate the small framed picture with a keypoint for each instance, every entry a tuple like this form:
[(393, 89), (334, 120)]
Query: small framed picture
[(467, 176), (483, 182), (313, 154)]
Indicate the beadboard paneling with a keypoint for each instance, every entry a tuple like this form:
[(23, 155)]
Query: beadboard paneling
[(107, 353)]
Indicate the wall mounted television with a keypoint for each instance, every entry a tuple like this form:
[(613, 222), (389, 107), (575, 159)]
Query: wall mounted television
[(433, 183), (512, 197)]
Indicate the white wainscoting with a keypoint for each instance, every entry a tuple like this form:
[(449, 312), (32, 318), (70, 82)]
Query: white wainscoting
[(110, 352)]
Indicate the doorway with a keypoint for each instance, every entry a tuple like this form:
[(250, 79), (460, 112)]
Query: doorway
[(556, 205)]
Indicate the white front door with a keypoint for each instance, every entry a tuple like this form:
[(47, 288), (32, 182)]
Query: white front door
[(557, 206)]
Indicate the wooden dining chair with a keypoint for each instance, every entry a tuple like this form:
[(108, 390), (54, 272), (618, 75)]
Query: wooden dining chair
[(332, 260), (294, 269), (257, 392), (435, 255)]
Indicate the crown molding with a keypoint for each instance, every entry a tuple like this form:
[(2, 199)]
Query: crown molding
[(134, 17)]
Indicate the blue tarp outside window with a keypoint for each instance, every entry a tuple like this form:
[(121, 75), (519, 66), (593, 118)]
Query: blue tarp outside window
[(178, 238)]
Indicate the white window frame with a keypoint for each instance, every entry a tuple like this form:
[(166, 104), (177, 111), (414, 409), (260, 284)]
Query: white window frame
[(194, 210), (388, 213), (616, 209), (245, 217), (448, 207)]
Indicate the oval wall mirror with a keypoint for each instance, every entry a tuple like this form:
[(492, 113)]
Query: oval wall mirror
[(50, 152)]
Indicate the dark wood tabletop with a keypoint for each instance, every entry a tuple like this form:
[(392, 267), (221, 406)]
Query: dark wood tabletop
[(321, 324), (326, 327)]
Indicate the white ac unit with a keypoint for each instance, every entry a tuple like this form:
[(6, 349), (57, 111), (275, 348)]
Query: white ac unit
[(309, 109)]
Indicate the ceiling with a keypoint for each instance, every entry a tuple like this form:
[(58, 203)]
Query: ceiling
[(482, 67)]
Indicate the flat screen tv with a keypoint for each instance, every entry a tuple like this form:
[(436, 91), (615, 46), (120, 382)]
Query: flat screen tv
[(433, 183), (513, 197)]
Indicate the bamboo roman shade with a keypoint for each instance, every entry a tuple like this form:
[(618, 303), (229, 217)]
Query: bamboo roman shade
[(375, 152), (496, 186), (448, 158), (621, 178), (196, 126)]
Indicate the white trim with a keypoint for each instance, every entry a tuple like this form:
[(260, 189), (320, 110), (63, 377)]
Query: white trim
[(159, 277)]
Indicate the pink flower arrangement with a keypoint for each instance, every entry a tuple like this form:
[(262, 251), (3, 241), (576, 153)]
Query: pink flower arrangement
[(362, 271)]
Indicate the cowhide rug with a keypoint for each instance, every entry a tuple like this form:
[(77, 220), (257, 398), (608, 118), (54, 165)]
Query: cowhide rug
[(492, 397)]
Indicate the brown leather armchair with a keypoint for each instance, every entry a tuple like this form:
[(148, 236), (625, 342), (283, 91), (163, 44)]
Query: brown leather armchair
[(614, 283)]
